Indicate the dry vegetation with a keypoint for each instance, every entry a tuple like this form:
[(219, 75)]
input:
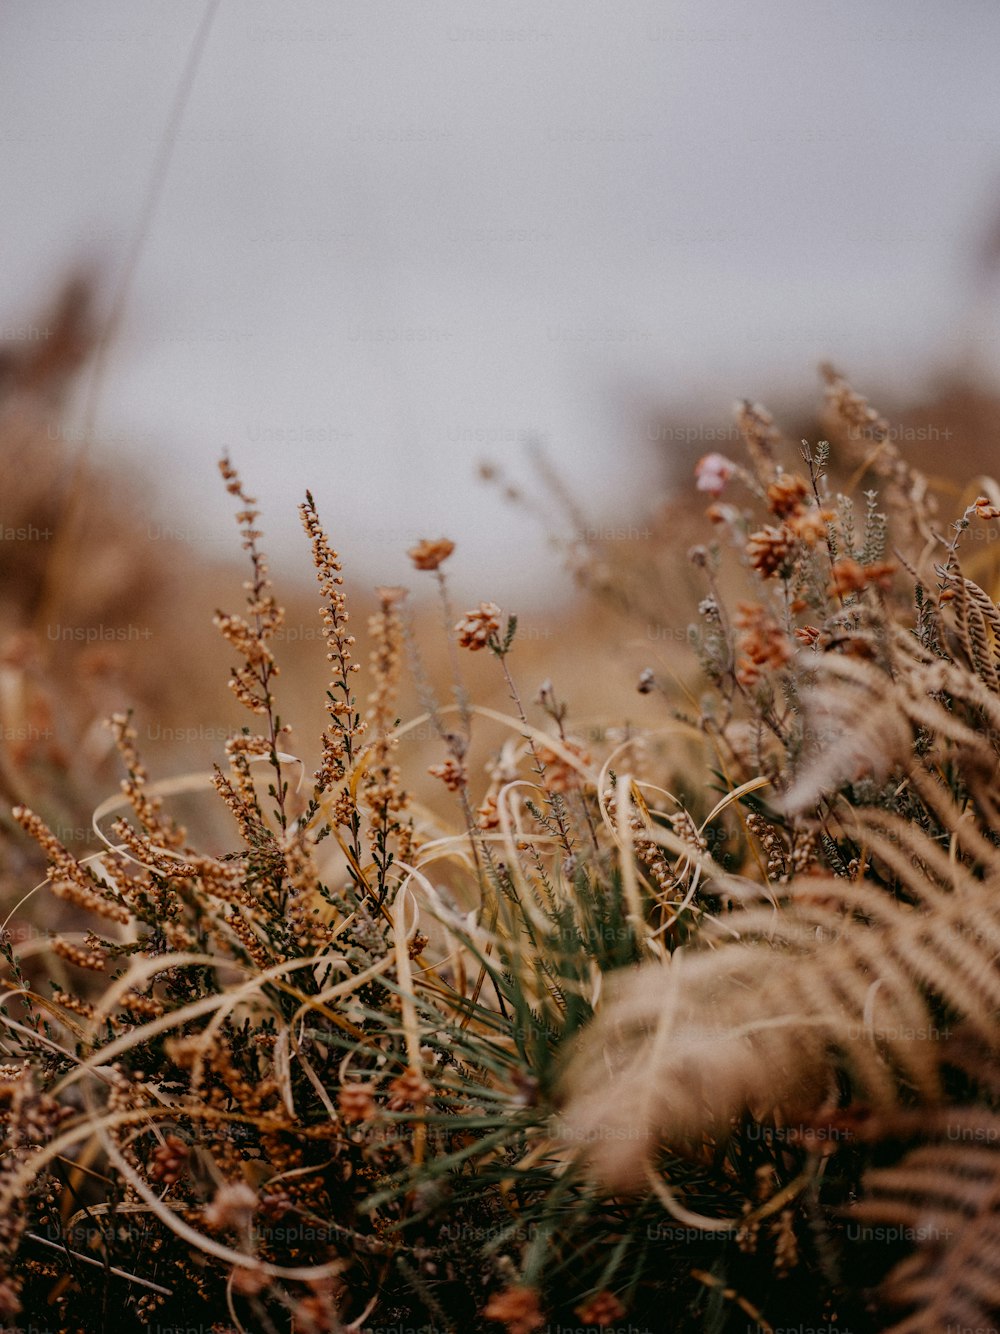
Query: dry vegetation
[(681, 1017)]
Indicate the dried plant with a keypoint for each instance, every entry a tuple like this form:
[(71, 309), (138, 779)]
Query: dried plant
[(865, 691), (940, 1199), (629, 1040)]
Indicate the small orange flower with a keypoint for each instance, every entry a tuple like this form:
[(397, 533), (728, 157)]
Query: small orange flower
[(602, 1309), (786, 494), (517, 1308), (430, 553), (761, 643), (851, 577), (409, 1088), (487, 815), (880, 572), (477, 627), (356, 1102), (848, 576), (769, 548), (561, 775), (809, 525), (452, 773)]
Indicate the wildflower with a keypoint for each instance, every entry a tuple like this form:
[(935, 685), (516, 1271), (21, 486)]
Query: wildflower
[(769, 548), (984, 509), (850, 411), (452, 773), (408, 1088), (80, 957), (848, 577), (356, 1102), (487, 815), (74, 1004), (249, 635), (761, 642), (68, 878), (477, 627), (602, 1309), (851, 577), (138, 1004), (343, 809), (517, 1308), (382, 779), (880, 572), (346, 725), (561, 775), (786, 494), (771, 841), (712, 472), (808, 526), (429, 554)]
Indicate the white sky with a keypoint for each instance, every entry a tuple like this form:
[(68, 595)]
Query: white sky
[(426, 228)]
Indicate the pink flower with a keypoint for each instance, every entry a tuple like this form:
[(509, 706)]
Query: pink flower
[(713, 471)]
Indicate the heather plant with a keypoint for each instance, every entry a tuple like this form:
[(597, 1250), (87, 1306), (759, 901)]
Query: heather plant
[(691, 1027)]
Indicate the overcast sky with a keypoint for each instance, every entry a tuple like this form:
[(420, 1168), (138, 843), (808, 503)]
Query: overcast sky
[(398, 236)]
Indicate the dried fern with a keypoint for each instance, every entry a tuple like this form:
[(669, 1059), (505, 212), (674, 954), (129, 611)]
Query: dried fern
[(943, 1198), (843, 980)]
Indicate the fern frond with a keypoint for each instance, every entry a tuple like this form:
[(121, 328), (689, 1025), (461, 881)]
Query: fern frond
[(846, 980), (944, 1197), (854, 727)]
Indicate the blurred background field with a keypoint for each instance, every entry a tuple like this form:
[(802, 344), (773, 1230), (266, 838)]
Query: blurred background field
[(386, 241)]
